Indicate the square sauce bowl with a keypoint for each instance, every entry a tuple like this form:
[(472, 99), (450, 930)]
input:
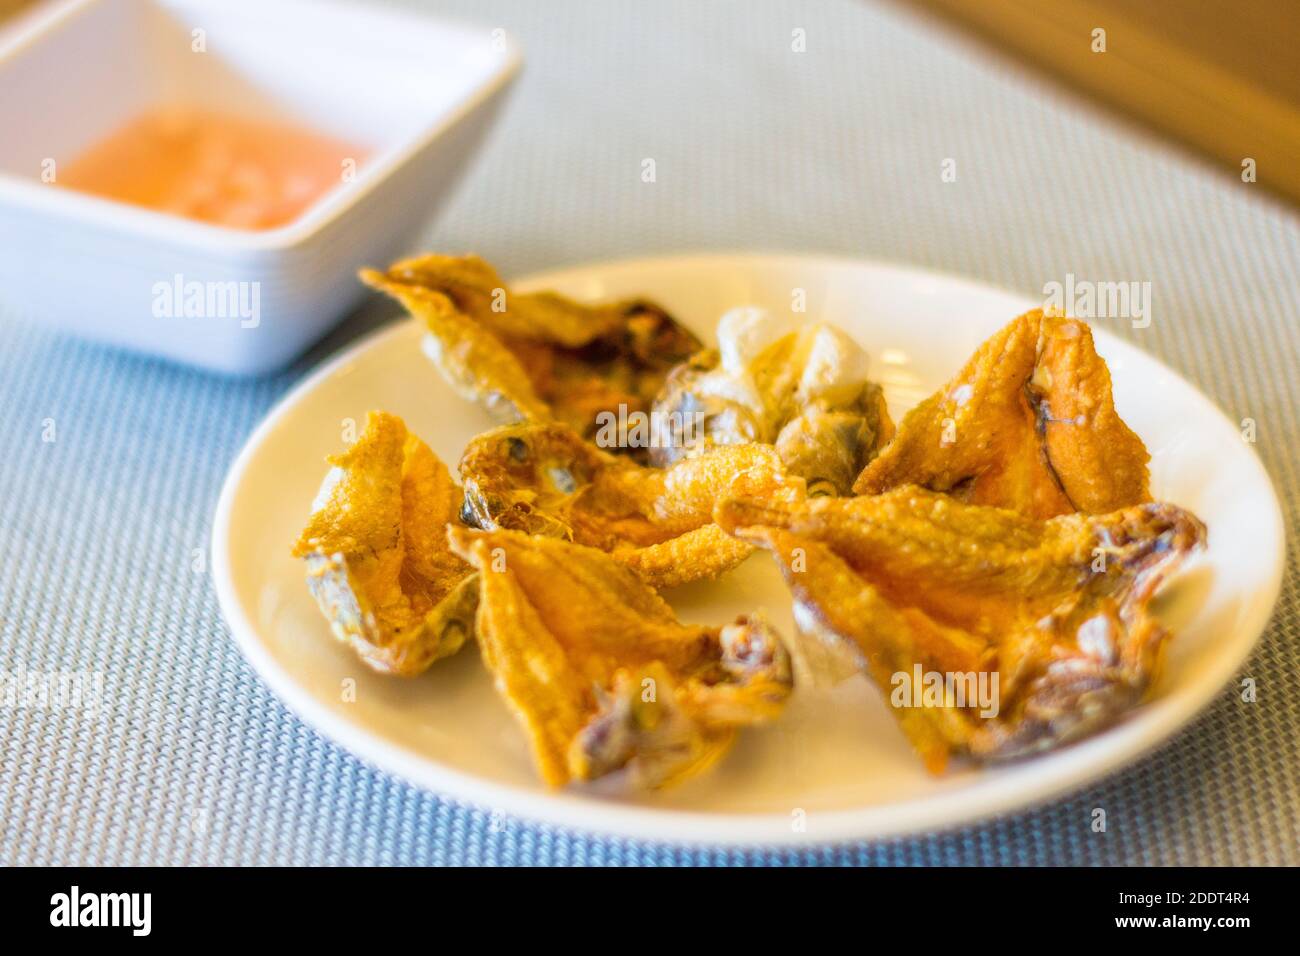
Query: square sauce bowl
[(415, 95)]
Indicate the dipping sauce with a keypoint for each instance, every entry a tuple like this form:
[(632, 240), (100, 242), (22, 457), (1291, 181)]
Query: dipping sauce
[(214, 167)]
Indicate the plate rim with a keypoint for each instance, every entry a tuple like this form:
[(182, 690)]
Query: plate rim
[(1083, 763)]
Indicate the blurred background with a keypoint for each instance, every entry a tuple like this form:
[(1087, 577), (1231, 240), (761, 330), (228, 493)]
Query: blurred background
[(1221, 77)]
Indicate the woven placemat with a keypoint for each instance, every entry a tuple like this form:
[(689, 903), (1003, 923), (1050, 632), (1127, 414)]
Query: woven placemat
[(838, 148)]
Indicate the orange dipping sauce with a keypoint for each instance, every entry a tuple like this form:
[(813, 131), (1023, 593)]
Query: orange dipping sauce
[(213, 167)]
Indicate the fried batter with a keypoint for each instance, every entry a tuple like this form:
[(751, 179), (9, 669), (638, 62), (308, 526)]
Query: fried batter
[(917, 582), (1028, 424), (803, 389), (600, 673), (545, 479), (378, 563), (540, 355)]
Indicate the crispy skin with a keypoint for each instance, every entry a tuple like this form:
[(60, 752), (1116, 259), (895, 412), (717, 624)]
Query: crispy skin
[(1028, 424), (537, 356), (545, 479), (378, 563), (802, 388), (1057, 609), (600, 673)]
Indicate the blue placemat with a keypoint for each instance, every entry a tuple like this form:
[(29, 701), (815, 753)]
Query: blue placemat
[(838, 148)]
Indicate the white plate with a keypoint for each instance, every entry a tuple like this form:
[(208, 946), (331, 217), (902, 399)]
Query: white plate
[(835, 766)]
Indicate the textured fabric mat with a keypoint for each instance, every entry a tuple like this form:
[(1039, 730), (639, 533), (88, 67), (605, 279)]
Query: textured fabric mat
[(836, 149)]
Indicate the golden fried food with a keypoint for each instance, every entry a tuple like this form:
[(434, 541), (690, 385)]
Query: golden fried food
[(378, 563), (539, 355), (545, 479), (1028, 424), (802, 388), (600, 673), (1052, 616)]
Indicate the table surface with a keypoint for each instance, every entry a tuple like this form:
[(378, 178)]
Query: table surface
[(837, 149)]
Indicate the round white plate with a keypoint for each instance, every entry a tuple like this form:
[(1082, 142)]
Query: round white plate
[(836, 765)]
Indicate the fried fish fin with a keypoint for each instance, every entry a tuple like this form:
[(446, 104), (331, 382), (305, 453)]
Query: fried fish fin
[(1100, 461), (600, 673), (688, 490), (1028, 424), (698, 555), (545, 479), (540, 354), (477, 291), (1053, 615), (472, 359), (837, 606), (378, 563)]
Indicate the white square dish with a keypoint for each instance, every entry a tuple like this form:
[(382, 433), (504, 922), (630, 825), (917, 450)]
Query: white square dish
[(417, 93)]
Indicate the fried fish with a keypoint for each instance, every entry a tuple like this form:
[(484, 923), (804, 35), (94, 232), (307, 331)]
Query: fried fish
[(802, 388), (537, 356), (1054, 615), (378, 563), (1028, 424), (545, 479), (600, 673)]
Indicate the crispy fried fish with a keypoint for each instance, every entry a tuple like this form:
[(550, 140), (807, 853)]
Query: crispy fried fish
[(539, 355), (600, 673), (1052, 615), (1028, 424), (802, 388), (545, 479), (378, 563)]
